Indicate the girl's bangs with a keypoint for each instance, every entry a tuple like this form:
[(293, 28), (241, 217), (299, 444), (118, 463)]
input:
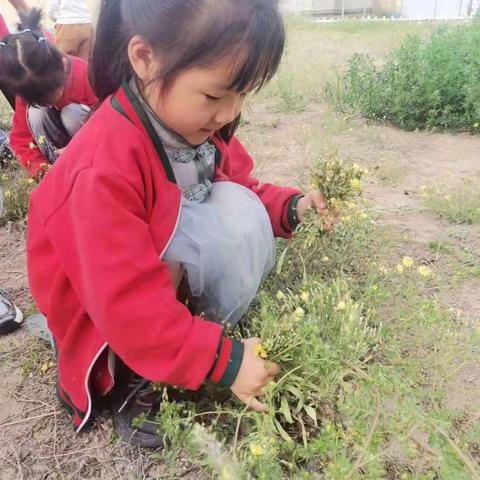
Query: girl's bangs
[(259, 53), (255, 70)]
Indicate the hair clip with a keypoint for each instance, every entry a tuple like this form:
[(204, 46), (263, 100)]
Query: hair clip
[(42, 39), (3, 44), (27, 30)]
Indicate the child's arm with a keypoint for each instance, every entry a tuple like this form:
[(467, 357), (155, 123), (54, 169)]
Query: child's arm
[(52, 9), (23, 143)]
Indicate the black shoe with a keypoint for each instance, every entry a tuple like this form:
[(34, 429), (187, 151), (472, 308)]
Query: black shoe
[(134, 404), (10, 316)]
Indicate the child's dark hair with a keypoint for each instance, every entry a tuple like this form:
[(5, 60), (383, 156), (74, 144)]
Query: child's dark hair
[(30, 66), (188, 34)]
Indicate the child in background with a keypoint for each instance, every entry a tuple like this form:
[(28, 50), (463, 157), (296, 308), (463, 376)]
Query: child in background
[(10, 315), (21, 7), (154, 192), (73, 26), (53, 93)]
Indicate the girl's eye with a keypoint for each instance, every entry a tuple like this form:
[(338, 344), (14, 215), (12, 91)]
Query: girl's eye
[(211, 97)]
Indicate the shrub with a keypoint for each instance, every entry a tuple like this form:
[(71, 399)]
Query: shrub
[(423, 84)]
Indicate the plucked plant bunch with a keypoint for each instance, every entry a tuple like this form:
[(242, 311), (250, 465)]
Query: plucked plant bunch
[(317, 248), (338, 181)]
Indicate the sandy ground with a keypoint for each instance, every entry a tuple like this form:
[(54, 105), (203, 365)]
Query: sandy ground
[(36, 439)]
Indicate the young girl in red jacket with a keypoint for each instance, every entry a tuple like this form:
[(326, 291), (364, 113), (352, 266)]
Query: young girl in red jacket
[(156, 191), (53, 94)]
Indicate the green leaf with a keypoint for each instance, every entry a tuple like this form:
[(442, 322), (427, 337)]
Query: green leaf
[(281, 260), (281, 431), (310, 411), (285, 409)]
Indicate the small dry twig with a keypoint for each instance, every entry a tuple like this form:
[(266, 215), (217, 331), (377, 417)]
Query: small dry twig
[(30, 419)]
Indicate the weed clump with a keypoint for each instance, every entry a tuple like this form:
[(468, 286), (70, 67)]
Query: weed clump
[(459, 203), (423, 84), (15, 189)]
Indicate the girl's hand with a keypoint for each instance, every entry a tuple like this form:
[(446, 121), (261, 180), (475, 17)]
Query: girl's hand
[(254, 374), (313, 198)]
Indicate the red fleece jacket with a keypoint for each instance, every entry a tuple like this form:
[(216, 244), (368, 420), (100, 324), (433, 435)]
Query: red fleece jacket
[(98, 223), (77, 90)]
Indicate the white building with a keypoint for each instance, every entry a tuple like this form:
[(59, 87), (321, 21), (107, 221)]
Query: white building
[(428, 9)]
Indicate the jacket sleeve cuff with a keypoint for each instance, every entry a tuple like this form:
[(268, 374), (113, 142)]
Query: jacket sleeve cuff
[(227, 362), (290, 220)]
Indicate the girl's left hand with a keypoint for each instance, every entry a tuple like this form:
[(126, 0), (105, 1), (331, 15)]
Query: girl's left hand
[(314, 198), (317, 200)]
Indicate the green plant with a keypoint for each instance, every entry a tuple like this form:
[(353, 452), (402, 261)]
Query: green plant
[(457, 203), (15, 188), (422, 84)]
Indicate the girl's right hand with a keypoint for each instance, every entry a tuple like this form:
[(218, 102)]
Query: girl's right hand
[(254, 374)]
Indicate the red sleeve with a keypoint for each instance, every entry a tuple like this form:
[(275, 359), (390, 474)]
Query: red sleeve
[(127, 291), (90, 98), (3, 28), (22, 142), (237, 166)]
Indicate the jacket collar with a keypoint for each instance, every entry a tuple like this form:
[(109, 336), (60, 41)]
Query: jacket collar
[(126, 103)]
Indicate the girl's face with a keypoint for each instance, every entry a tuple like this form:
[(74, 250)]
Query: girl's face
[(198, 102)]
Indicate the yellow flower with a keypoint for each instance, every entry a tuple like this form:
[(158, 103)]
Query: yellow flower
[(280, 295), (364, 216), (400, 268), (355, 183), (407, 262), (261, 351), (341, 306), (30, 181), (299, 312), (4, 177), (313, 186), (256, 450), (424, 271), (305, 296), (350, 205), (325, 259), (374, 288), (41, 140), (7, 194), (347, 218)]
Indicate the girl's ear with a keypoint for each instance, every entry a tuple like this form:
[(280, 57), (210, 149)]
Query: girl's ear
[(145, 62)]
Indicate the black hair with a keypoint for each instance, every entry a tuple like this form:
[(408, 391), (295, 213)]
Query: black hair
[(30, 66), (188, 34)]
